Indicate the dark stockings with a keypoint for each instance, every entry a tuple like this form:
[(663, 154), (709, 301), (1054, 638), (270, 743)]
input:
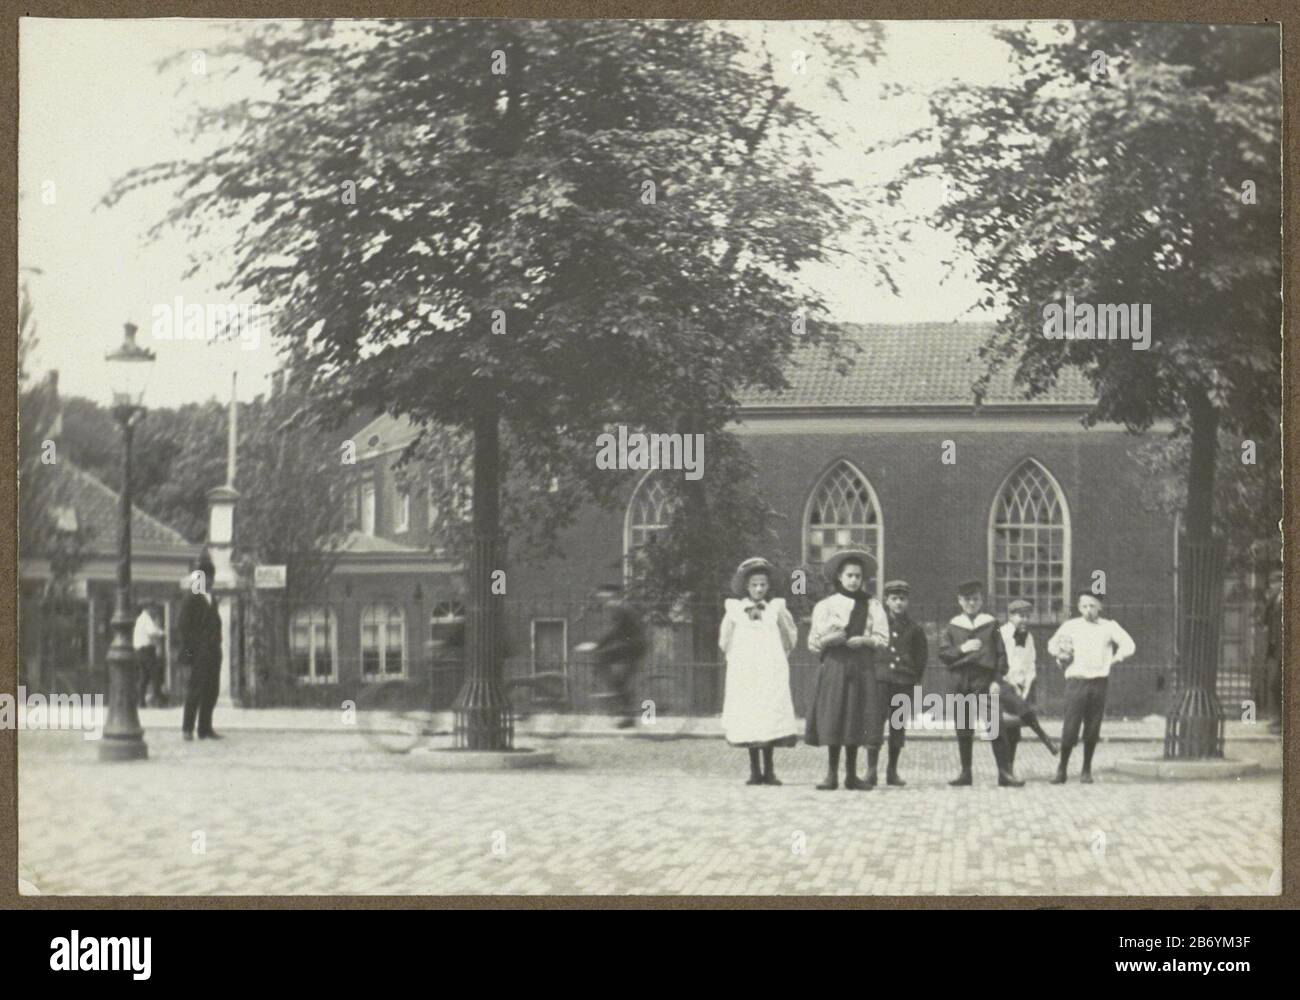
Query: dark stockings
[(833, 766), (1030, 719), (965, 748), (1013, 741), (896, 738), (1088, 748), (761, 771), (873, 761)]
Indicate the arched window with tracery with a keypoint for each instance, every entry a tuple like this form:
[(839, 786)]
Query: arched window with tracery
[(844, 513), (1029, 542), (649, 512)]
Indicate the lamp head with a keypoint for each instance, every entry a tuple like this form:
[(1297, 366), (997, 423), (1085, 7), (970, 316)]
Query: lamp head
[(131, 367)]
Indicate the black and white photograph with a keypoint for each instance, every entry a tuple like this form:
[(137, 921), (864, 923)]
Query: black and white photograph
[(585, 459)]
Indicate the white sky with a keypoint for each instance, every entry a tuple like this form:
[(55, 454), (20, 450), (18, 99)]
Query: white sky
[(92, 106)]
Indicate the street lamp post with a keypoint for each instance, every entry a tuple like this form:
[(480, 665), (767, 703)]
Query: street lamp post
[(123, 739)]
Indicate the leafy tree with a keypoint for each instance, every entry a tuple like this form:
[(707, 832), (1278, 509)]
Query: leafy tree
[(1247, 496), (44, 533), (546, 225), (41, 534), (290, 513), (1129, 163), (179, 454)]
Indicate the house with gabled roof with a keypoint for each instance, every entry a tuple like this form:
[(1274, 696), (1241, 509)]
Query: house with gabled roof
[(65, 643)]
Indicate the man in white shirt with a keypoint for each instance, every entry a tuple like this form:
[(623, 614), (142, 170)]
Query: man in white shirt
[(1087, 647), (145, 639)]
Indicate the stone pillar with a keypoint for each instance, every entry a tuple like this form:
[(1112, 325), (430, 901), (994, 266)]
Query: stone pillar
[(225, 582)]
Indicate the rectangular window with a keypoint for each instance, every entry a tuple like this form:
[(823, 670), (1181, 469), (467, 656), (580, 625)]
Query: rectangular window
[(300, 643), (393, 648), (383, 641), (370, 655), (368, 508), (550, 645), (323, 649), (311, 645), (403, 512)]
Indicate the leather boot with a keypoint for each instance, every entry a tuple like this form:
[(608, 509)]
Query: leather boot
[(873, 762), (891, 772), (1006, 777), (769, 771), (852, 782), (1060, 777), (965, 747)]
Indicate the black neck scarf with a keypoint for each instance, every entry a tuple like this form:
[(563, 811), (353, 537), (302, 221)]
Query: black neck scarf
[(858, 617)]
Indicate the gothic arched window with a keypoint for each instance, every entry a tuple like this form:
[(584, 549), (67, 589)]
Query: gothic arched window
[(843, 513), (1029, 543), (649, 512)]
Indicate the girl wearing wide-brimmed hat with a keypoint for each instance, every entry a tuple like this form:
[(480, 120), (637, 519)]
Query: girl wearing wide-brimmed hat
[(846, 628), (757, 635)]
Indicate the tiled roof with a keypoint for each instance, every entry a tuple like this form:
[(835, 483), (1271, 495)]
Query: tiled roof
[(908, 365), (901, 365), (95, 505)]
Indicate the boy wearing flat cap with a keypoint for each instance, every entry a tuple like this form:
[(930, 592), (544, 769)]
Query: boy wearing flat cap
[(757, 635), (898, 671)]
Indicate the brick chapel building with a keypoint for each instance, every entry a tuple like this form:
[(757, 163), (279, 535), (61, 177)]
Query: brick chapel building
[(898, 455)]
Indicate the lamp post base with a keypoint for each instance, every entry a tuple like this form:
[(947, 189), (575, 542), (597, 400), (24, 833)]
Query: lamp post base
[(116, 748)]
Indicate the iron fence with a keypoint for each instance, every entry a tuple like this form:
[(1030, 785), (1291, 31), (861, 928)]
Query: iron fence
[(299, 656)]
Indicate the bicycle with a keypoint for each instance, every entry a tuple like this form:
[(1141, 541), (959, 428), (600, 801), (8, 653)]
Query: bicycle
[(395, 716)]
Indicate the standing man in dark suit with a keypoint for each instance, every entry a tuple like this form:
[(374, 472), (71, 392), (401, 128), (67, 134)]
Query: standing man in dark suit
[(200, 634)]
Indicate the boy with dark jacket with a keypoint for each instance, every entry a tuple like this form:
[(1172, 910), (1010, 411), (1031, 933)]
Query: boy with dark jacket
[(972, 648), (898, 670)]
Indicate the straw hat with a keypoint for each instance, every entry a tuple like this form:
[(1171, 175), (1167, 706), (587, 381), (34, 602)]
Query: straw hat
[(831, 568), (740, 579)]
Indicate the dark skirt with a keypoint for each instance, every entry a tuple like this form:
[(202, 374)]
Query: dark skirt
[(844, 700)]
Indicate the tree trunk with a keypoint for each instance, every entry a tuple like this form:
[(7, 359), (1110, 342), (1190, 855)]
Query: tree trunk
[(701, 581), (1199, 522), (482, 711), (1194, 724)]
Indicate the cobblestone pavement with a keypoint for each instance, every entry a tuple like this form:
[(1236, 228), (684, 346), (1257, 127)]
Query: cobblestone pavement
[(285, 813)]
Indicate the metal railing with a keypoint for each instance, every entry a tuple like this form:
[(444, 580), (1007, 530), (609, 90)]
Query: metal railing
[(540, 636)]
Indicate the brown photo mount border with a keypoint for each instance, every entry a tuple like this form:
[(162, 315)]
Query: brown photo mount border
[(1283, 12)]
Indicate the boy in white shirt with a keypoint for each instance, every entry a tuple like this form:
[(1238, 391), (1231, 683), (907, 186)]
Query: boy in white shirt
[(1086, 647), (1022, 666)]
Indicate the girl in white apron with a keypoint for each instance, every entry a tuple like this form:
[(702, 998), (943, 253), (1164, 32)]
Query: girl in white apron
[(757, 635)]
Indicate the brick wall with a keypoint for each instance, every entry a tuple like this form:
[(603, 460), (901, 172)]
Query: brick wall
[(935, 520)]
